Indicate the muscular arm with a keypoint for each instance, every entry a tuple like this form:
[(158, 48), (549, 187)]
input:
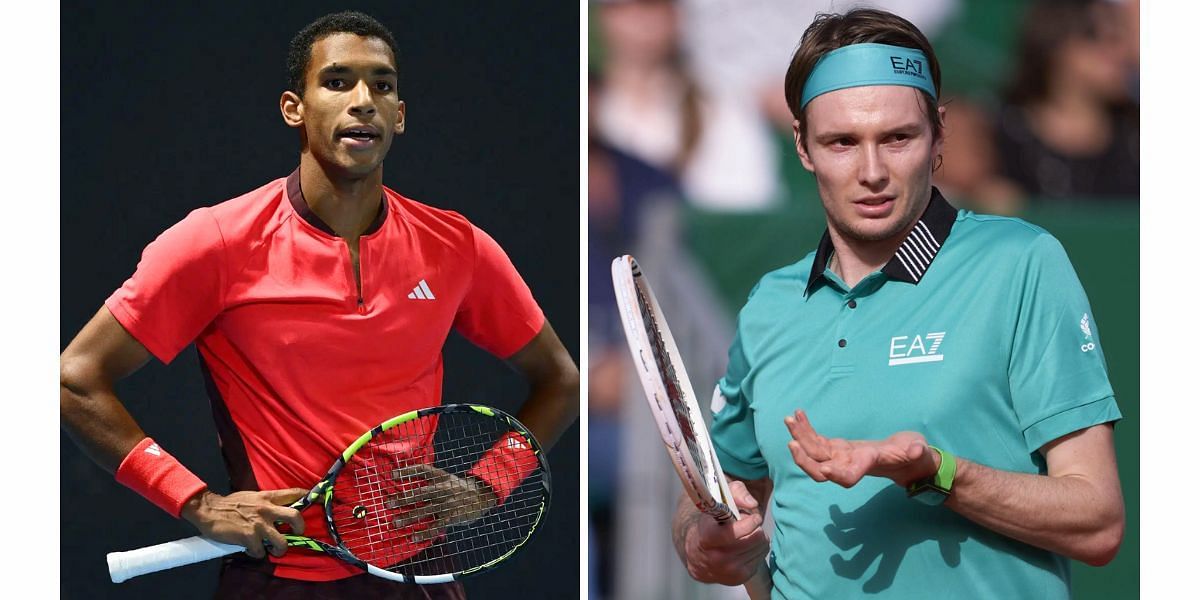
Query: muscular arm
[(553, 402), (1075, 509), (94, 417), (91, 414)]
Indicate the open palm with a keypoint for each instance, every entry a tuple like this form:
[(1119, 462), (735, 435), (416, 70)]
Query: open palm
[(903, 457)]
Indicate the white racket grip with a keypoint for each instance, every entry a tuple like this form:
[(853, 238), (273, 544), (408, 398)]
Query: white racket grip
[(760, 585), (124, 565)]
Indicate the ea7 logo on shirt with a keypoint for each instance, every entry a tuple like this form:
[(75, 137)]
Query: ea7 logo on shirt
[(906, 350)]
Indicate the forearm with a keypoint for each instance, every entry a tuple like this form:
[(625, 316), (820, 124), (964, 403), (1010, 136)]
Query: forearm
[(1070, 515), (552, 406), (90, 412), (686, 517), (1075, 510), (97, 422), (553, 402)]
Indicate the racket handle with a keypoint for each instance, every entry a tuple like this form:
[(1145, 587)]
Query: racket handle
[(123, 565), (759, 586)]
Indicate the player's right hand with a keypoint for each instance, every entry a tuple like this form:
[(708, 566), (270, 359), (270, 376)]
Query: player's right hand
[(438, 500), (727, 554), (247, 518)]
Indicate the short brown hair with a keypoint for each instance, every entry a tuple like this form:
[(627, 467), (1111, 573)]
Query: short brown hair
[(829, 32)]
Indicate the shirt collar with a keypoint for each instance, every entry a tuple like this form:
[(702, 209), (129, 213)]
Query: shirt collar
[(916, 252), (296, 198)]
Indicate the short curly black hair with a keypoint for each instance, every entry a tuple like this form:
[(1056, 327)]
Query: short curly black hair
[(300, 48)]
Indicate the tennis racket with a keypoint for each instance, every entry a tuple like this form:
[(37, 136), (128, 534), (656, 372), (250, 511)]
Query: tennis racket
[(673, 403), (383, 495)]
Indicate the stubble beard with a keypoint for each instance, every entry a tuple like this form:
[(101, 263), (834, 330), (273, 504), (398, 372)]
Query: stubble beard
[(849, 232)]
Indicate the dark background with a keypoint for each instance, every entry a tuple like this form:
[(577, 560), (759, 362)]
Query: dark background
[(167, 107)]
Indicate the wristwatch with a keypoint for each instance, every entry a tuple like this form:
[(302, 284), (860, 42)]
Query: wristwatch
[(934, 490)]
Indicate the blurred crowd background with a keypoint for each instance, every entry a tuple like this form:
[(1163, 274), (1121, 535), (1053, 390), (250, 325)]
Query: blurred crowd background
[(692, 169)]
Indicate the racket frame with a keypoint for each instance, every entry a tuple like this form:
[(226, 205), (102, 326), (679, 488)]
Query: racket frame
[(711, 497), (710, 493), (322, 493)]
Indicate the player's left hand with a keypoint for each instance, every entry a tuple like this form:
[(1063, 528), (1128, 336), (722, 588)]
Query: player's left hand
[(437, 500), (903, 457)]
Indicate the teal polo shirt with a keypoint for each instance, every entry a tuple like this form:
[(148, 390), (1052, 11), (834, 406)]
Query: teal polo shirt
[(977, 334)]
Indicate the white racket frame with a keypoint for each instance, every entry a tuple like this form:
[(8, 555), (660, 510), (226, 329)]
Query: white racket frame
[(705, 482)]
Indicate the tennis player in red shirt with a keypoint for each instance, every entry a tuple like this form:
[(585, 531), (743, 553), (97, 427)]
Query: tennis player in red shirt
[(319, 304)]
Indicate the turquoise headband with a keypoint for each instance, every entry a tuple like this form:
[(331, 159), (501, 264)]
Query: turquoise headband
[(858, 65)]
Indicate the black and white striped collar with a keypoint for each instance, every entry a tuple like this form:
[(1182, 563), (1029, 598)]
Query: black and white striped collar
[(916, 252)]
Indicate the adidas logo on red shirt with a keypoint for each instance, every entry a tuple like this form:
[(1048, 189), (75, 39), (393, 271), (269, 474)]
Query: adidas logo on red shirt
[(421, 292)]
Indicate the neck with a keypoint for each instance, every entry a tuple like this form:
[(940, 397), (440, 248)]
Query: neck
[(348, 205), (854, 259)]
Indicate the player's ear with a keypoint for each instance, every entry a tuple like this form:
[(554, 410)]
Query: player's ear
[(801, 151), (399, 128), (292, 109), (940, 134)]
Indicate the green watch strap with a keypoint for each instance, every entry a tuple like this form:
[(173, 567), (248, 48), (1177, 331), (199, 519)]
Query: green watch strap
[(934, 490), (944, 478)]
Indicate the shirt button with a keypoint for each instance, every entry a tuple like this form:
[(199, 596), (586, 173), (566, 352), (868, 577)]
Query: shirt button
[(841, 343), (853, 304)]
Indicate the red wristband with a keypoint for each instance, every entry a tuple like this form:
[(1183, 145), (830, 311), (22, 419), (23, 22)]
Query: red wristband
[(158, 477), (506, 465)]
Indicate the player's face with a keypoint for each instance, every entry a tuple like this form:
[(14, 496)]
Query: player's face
[(350, 109), (872, 151)]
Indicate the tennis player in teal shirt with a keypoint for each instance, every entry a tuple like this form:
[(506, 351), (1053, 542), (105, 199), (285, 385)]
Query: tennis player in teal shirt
[(923, 400)]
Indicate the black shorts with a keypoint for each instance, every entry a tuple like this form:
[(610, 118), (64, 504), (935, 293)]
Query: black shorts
[(243, 577)]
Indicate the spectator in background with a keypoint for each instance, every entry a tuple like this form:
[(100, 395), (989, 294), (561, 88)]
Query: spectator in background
[(1069, 128), (653, 109), (619, 187), (968, 174), (1130, 17)]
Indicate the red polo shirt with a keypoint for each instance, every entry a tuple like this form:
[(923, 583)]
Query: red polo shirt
[(298, 360)]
